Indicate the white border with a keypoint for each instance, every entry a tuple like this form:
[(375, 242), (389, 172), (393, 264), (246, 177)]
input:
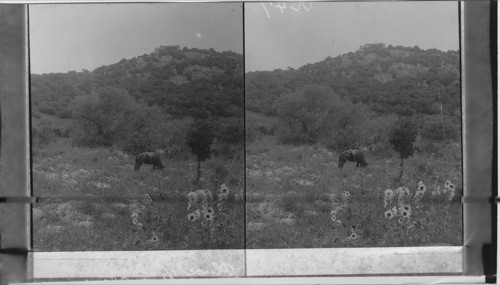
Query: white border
[(441, 279), (248, 263)]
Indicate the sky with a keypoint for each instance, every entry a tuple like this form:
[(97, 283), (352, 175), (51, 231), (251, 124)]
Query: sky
[(294, 36), (65, 37)]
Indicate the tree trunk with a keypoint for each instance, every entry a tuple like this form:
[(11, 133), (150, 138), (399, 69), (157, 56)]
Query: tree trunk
[(198, 170), (401, 169)]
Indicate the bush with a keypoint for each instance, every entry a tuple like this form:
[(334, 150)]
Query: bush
[(174, 141), (349, 139), (145, 131), (42, 133), (305, 115), (101, 118), (251, 130), (439, 130), (403, 136), (199, 139)]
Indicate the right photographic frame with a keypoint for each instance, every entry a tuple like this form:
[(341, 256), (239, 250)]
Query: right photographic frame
[(368, 137), (353, 123)]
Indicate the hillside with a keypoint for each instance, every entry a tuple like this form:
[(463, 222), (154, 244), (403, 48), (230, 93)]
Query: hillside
[(389, 79), (186, 82)]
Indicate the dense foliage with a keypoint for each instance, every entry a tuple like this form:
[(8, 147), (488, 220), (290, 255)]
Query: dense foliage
[(389, 79), (354, 100), (147, 102)]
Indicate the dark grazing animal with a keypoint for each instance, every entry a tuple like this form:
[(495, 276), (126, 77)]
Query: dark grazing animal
[(148, 158), (354, 155)]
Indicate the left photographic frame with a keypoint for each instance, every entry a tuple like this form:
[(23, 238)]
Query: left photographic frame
[(137, 135)]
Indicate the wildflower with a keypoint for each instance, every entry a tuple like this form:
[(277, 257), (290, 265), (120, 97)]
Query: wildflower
[(394, 211), (406, 213), (192, 197), (399, 191), (204, 224), (147, 199), (406, 192), (421, 187), (388, 195), (407, 207), (154, 239), (135, 215), (224, 189), (401, 221), (346, 194), (204, 194), (134, 221), (333, 212), (451, 188), (197, 213), (389, 214), (208, 194), (209, 210), (352, 236), (192, 217), (209, 216), (334, 218), (447, 184)]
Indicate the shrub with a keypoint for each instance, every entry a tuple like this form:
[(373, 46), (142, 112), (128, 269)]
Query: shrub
[(199, 140), (101, 118), (439, 130), (304, 115), (42, 132), (402, 138), (174, 141)]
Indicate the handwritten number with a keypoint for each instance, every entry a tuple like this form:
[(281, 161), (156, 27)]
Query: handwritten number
[(265, 9), (284, 5), (293, 8), (281, 6), (304, 5)]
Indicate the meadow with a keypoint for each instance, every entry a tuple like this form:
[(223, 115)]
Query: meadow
[(297, 197), (96, 201), (296, 193)]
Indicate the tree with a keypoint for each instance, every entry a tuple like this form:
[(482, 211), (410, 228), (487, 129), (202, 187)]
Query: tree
[(146, 130), (303, 115), (200, 139), (101, 118), (402, 137)]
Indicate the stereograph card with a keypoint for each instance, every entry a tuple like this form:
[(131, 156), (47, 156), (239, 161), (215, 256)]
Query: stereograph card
[(248, 142)]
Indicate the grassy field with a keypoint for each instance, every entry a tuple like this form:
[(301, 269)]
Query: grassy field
[(125, 209), (304, 200), (307, 201)]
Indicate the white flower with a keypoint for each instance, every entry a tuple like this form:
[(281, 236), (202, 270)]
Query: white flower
[(388, 195), (224, 189)]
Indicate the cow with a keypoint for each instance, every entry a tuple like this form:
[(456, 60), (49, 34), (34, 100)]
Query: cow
[(354, 155), (148, 158)]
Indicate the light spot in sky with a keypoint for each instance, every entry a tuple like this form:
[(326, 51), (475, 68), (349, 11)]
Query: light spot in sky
[(198, 35)]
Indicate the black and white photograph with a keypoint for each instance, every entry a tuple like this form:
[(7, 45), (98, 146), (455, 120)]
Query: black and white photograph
[(353, 124), (323, 142), (137, 126)]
